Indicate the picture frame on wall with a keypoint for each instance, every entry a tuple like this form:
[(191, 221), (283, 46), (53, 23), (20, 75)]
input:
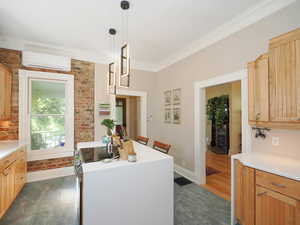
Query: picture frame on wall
[(168, 115), (168, 97), (176, 96), (176, 116)]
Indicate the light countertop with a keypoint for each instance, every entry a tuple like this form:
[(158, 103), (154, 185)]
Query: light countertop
[(272, 163), (8, 147), (145, 154)]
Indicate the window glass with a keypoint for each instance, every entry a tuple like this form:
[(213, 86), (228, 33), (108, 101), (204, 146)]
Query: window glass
[(47, 118)]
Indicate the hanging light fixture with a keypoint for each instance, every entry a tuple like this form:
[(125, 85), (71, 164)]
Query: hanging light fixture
[(124, 71), (112, 89)]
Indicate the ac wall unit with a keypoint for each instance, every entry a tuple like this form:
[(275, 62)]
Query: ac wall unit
[(46, 61)]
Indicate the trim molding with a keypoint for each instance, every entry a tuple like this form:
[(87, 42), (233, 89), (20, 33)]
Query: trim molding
[(238, 23), (14, 43), (199, 118), (186, 173), (49, 174)]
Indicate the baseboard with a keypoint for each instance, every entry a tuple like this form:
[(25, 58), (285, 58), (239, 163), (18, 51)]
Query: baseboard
[(186, 173), (49, 174)]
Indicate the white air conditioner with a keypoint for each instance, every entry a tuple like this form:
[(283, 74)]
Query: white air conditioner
[(46, 61)]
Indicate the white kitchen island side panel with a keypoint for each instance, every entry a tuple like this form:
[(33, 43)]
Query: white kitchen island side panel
[(139, 194)]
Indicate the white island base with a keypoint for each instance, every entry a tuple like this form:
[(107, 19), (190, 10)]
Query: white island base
[(124, 193)]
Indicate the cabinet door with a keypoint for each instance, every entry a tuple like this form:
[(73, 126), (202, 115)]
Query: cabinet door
[(20, 177), (7, 190), (245, 194), (258, 80), (273, 208), (5, 93), (285, 82)]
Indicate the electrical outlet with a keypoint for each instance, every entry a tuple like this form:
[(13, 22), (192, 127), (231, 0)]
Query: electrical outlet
[(275, 141)]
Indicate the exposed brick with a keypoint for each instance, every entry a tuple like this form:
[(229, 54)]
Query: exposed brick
[(84, 78)]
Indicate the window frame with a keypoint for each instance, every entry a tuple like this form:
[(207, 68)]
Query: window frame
[(25, 78)]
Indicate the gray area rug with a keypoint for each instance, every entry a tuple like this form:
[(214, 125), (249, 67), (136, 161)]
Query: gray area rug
[(52, 202)]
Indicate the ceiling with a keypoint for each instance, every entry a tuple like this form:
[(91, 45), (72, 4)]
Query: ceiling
[(158, 29)]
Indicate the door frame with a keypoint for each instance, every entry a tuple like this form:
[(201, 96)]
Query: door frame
[(200, 118), (143, 105)]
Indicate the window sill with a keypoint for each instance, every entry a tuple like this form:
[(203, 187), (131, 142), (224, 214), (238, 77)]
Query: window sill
[(34, 157)]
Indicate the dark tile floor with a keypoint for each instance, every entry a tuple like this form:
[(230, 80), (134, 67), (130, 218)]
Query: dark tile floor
[(52, 202)]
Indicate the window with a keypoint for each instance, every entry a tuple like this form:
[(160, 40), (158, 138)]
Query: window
[(47, 113)]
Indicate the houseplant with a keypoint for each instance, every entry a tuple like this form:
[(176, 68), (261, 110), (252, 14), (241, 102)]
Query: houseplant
[(110, 125)]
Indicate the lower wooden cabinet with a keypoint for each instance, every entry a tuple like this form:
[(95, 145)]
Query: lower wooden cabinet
[(245, 194), (13, 172), (262, 198), (7, 195), (273, 208)]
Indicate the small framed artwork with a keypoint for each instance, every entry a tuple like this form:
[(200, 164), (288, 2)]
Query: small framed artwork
[(177, 96), (168, 98), (168, 115), (124, 64), (176, 116)]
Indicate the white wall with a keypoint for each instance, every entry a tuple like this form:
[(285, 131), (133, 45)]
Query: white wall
[(140, 81), (226, 56)]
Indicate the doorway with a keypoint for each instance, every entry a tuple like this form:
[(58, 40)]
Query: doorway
[(223, 135), (128, 115), (200, 142)]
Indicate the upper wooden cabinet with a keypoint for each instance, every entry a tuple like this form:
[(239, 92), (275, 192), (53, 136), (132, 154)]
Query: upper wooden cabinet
[(5, 92), (284, 78), (258, 80), (274, 84)]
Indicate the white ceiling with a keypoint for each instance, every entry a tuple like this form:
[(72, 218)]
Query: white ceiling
[(158, 29)]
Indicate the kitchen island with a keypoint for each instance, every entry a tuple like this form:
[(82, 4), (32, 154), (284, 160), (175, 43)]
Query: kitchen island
[(127, 193)]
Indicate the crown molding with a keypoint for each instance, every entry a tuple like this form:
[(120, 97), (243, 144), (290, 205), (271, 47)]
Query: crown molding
[(21, 45), (238, 23)]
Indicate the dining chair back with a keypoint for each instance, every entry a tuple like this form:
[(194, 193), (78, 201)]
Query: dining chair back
[(162, 147), (142, 140)]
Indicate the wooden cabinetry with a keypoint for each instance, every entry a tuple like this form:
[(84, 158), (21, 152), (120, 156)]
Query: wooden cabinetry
[(273, 208), (13, 172), (245, 194), (263, 198), (258, 80), (5, 92), (285, 78), (274, 84)]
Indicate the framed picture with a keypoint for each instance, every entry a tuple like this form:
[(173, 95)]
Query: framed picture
[(168, 115), (176, 116), (124, 64), (177, 96), (112, 78), (168, 98)]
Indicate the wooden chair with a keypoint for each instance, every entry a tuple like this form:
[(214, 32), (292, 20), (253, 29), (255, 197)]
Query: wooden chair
[(164, 148), (142, 140)]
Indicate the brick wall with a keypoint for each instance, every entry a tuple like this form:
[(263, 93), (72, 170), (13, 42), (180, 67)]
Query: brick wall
[(84, 74)]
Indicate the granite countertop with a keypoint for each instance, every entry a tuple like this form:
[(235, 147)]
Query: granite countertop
[(8, 147), (271, 163)]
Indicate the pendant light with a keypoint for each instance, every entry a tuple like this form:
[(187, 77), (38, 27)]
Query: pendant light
[(124, 71), (112, 89)]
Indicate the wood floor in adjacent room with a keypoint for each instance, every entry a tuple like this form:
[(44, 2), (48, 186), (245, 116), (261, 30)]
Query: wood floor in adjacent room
[(219, 183)]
